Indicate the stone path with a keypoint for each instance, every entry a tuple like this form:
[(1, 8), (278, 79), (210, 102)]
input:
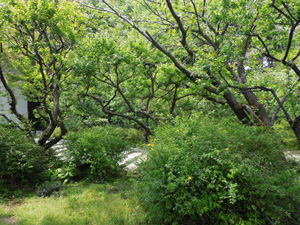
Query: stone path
[(134, 156), (131, 158), (60, 149), (292, 155)]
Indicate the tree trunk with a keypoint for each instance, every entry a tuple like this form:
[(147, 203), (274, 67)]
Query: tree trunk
[(260, 110), (147, 134), (236, 107), (54, 120), (297, 133), (249, 95)]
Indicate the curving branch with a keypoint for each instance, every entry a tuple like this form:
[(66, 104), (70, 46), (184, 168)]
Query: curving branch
[(288, 10), (105, 110), (188, 73), (125, 19), (156, 13), (267, 53), (280, 11), (181, 28), (291, 35), (273, 118), (13, 103)]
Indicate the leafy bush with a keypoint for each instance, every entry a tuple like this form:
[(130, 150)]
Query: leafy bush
[(92, 153), (48, 188), (203, 171), (21, 160), (130, 135), (286, 134)]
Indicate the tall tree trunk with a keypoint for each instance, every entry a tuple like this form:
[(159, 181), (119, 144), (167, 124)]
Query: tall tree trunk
[(54, 119)]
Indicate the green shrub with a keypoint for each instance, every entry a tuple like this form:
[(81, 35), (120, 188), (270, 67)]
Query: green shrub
[(21, 160), (130, 135), (286, 134), (48, 188), (203, 171), (92, 153)]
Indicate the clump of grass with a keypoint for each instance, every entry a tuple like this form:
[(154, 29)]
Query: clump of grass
[(5, 212), (81, 204)]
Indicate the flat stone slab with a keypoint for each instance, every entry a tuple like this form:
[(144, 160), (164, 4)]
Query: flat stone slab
[(292, 155), (130, 156)]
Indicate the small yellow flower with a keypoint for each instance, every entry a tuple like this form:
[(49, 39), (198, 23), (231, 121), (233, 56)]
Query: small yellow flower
[(190, 178), (227, 149)]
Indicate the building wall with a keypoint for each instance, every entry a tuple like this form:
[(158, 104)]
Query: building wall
[(21, 106)]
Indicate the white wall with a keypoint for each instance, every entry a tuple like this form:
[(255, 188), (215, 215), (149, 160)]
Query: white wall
[(21, 106)]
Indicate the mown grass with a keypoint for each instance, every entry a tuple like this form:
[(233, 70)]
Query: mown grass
[(109, 203)]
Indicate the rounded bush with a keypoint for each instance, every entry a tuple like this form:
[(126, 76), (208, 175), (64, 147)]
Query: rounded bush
[(92, 153), (20, 157), (203, 171), (130, 135)]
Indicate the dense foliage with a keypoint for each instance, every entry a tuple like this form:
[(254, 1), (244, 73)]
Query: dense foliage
[(37, 38), (91, 153), (147, 61), (155, 63), (204, 172), (130, 135), (21, 160), (244, 54)]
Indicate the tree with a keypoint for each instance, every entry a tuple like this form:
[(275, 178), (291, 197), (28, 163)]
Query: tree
[(127, 80), (40, 34), (212, 44), (277, 37)]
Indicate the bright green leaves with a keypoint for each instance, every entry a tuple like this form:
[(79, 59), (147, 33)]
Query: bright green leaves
[(204, 169), (42, 11), (44, 31), (30, 22)]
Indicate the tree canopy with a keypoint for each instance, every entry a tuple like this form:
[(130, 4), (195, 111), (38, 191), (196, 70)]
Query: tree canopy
[(233, 51), (37, 38), (148, 61)]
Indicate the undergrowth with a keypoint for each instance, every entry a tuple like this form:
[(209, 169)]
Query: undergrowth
[(204, 171)]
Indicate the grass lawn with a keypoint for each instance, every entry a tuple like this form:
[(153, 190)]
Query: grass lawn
[(83, 203)]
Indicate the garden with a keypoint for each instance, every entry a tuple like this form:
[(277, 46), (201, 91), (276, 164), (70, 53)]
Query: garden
[(150, 112)]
